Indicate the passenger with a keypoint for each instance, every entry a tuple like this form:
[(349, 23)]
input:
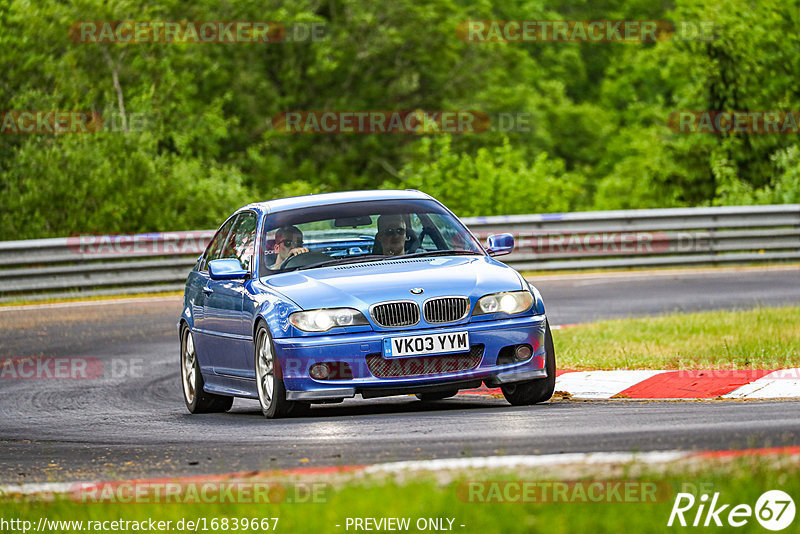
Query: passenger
[(288, 243), (391, 236)]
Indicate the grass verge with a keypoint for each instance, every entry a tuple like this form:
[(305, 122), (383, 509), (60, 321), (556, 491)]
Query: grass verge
[(762, 338), (27, 301), (543, 507)]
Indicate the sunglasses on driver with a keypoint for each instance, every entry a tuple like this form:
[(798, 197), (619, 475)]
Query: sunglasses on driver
[(391, 232)]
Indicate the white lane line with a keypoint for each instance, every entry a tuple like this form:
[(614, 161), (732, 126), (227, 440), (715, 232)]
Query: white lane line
[(600, 384), (490, 462), (81, 303), (36, 488), (777, 384)]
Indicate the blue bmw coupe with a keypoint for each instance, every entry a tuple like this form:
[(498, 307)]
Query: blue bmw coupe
[(318, 298)]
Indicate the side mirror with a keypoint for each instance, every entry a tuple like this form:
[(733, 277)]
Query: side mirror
[(227, 269), (500, 244)]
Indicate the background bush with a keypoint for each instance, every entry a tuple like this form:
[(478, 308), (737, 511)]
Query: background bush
[(599, 141)]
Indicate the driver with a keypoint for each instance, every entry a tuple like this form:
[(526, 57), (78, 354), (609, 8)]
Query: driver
[(391, 234), (288, 243)]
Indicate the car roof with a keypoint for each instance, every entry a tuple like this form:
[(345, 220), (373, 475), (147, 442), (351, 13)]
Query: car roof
[(322, 199)]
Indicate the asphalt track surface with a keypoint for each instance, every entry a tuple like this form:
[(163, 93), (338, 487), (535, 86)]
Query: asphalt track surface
[(132, 423)]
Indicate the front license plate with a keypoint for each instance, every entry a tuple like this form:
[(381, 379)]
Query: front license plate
[(397, 347)]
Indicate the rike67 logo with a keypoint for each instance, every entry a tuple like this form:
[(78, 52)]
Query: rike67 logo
[(774, 510)]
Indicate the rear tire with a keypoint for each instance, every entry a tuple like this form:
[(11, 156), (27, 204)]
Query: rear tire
[(434, 396), (540, 389), (269, 381), (196, 398)]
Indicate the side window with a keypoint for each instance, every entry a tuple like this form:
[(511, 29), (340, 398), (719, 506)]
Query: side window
[(215, 247), (241, 244)]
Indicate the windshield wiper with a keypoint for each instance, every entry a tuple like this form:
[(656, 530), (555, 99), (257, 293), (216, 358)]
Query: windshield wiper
[(339, 261), (440, 253)]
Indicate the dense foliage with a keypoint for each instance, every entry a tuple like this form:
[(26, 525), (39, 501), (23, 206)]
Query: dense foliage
[(600, 138)]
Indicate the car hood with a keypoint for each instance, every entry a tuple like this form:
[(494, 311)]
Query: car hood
[(360, 285)]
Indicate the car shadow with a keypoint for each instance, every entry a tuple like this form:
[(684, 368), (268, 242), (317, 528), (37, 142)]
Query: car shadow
[(384, 406)]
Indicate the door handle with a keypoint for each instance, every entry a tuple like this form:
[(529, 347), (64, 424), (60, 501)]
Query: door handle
[(207, 290)]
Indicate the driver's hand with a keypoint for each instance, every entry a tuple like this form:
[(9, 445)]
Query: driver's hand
[(296, 251)]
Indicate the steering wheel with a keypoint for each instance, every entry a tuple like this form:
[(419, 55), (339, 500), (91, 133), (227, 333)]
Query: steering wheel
[(301, 260)]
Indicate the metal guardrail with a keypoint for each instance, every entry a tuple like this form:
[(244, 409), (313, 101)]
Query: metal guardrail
[(649, 238), (96, 265)]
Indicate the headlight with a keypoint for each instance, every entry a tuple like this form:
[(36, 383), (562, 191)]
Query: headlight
[(510, 302), (324, 320)]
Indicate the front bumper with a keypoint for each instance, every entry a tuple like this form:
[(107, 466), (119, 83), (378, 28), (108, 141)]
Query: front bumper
[(297, 355)]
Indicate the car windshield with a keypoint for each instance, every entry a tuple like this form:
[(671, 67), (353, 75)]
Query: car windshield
[(361, 231)]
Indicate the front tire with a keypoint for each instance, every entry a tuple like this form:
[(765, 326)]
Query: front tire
[(540, 389), (196, 398), (269, 382)]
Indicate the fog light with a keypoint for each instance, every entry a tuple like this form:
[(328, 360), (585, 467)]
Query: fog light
[(320, 371), (523, 352), (331, 371)]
